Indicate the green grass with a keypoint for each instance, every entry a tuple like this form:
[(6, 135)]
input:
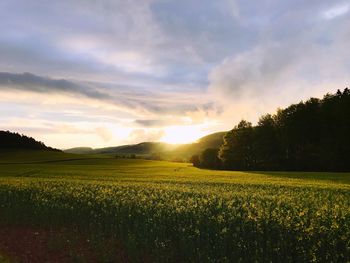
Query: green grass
[(177, 213), (35, 156)]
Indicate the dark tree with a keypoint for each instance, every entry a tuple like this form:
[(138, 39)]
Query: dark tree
[(266, 146), (237, 150), (308, 136), (10, 140), (209, 159), (195, 160)]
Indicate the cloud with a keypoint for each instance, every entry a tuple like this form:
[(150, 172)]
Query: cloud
[(193, 40), (286, 67), (124, 65), (61, 134), (104, 133), (142, 135), (153, 123), (252, 72), (31, 82), (337, 11), (126, 97), (103, 40)]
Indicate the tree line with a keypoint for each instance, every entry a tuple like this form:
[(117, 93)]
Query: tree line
[(10, 140), (308, 136)]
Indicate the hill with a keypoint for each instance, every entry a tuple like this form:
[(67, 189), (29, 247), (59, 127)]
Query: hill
[(79, 150), (185, 151), (164, 150), (10, 140), (143, 148)]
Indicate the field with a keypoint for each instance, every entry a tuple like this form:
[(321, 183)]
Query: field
[(101, 209)]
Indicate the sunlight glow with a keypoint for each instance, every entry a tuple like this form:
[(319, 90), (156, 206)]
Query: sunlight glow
[(183, 134)]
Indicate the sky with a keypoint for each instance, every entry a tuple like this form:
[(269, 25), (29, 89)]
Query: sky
[(111, 72)]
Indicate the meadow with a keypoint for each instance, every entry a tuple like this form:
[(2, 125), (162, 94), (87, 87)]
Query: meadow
[(160, 211)]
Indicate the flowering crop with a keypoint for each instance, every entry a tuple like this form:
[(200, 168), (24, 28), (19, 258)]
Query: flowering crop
[(177, 213)]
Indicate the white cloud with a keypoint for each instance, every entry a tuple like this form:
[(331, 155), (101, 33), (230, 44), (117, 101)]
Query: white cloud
[(336, 11), (277, 74)]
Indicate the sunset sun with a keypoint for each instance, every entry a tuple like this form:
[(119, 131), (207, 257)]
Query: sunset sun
[(182, 134)]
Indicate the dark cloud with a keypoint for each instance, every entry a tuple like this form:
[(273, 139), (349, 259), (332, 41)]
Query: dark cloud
[(157, 123), (151, 123), (132, 98), (31, 82)]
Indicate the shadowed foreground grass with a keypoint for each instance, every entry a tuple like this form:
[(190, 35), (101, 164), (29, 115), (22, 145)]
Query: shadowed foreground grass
[(173, 212)]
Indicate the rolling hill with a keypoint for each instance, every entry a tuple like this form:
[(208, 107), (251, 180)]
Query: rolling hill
[(143, 148), (79, 150), (165, 150), (185, 151)]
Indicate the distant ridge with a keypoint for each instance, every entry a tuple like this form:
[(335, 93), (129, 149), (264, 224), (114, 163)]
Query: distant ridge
[(140, 148), (214, 141), (165, 150), (79, 150), (10, 140)]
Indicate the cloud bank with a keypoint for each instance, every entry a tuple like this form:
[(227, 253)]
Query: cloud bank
[(116, 70)]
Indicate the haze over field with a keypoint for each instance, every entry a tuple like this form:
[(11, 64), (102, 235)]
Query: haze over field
[(105, 73)]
